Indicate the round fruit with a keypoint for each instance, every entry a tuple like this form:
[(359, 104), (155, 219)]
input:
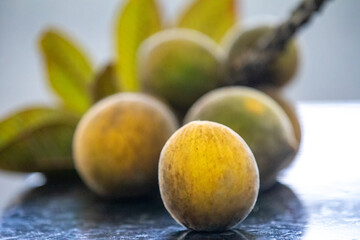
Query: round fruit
[(118, 142), (289, 109), (208, 177), (258, 119), (180, 65), (279, 73)]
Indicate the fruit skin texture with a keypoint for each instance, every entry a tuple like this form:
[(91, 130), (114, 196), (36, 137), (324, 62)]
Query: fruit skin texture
[(279, 73), (180, 65), (208, 177), (118, 142), (290, 110), (258, 119)]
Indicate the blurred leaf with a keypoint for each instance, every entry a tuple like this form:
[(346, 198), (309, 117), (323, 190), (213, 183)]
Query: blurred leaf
[(212, 17), (23, 121), (105, 83), (69, 70), (138, 20), (37, 139)]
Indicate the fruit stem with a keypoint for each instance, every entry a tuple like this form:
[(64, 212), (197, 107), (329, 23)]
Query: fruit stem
[(252, 67)]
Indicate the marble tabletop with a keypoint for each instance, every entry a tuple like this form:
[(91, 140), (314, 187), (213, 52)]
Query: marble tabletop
[(317, 197)]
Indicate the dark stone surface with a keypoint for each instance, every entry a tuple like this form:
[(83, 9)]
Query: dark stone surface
[(319, 197), (70, 211)]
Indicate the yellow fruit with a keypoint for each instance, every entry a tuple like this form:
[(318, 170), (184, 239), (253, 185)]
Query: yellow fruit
[(118, 142), (258, 119), (208, 177), (279, 73), (180, 65)]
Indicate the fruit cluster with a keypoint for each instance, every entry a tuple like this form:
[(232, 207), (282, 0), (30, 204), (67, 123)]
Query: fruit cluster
[(235, 139), (237, 132)]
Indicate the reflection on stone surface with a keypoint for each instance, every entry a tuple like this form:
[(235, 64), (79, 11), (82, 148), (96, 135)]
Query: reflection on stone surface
[(326, 177), (279, 202), (70, 211), (191, 235), (278, 213)]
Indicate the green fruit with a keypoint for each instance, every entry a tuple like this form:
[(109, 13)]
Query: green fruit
[(279, 73), (258, 119), (208, 177), (117, 144), (180, 65), (289, 109)]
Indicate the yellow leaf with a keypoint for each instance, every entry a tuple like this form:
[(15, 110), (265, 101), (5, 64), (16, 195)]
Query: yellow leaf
[(23, 121), (212, 17), (69, 70), (138, 20), (37, 139)]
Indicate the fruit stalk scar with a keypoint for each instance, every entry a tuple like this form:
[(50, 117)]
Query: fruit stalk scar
[(251, 67)]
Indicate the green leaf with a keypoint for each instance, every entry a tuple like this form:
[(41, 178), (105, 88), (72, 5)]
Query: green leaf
[(138, 20), (212, 17), (105, 83), (69, 70), (36, 140)]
